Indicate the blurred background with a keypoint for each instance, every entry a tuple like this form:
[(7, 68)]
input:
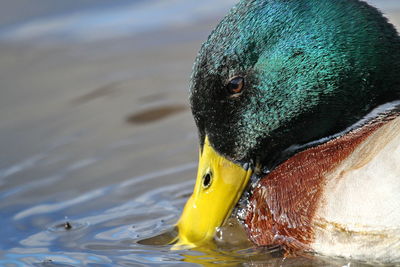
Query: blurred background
[(95, 128)]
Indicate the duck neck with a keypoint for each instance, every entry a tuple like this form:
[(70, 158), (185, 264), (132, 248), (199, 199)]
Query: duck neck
[(283, 203), (381, 112)]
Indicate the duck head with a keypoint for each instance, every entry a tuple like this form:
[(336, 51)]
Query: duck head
[(275, 75)]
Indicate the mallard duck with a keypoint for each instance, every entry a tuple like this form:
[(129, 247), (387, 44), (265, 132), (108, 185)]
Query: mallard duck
[(297, 108)]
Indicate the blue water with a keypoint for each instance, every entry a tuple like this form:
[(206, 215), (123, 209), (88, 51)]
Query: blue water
[(112, 21), (98, 146)]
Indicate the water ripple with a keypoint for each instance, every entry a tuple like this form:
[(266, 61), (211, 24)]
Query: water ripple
[(49, 208), (151, 175), (116, 22)]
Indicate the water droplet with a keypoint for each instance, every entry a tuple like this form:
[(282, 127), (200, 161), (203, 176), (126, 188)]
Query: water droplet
[(67, 226)]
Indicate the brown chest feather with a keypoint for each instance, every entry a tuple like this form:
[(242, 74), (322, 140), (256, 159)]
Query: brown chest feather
[(283, 205)]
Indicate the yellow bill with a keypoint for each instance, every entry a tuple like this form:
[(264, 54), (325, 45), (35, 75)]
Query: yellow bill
[(219, 185)]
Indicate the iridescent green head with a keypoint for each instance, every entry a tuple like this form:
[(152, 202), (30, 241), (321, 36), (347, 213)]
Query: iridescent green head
[(310, 68)]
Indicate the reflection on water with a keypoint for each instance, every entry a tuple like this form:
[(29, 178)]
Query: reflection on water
[(154, 114), (98, 146), (115, 21)]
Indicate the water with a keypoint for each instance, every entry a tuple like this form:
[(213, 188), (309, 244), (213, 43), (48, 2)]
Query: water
[(98, 146)]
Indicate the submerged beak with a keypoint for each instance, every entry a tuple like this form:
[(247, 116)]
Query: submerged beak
[(219, 185)]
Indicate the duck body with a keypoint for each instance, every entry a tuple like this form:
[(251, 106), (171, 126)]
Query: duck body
[(339, 198), (303, 97)]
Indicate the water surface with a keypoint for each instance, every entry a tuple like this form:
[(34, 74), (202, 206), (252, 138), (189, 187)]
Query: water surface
[(98, 146)]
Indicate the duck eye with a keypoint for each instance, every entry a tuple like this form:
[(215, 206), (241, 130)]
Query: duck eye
[(207, 180), (235, 86)]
